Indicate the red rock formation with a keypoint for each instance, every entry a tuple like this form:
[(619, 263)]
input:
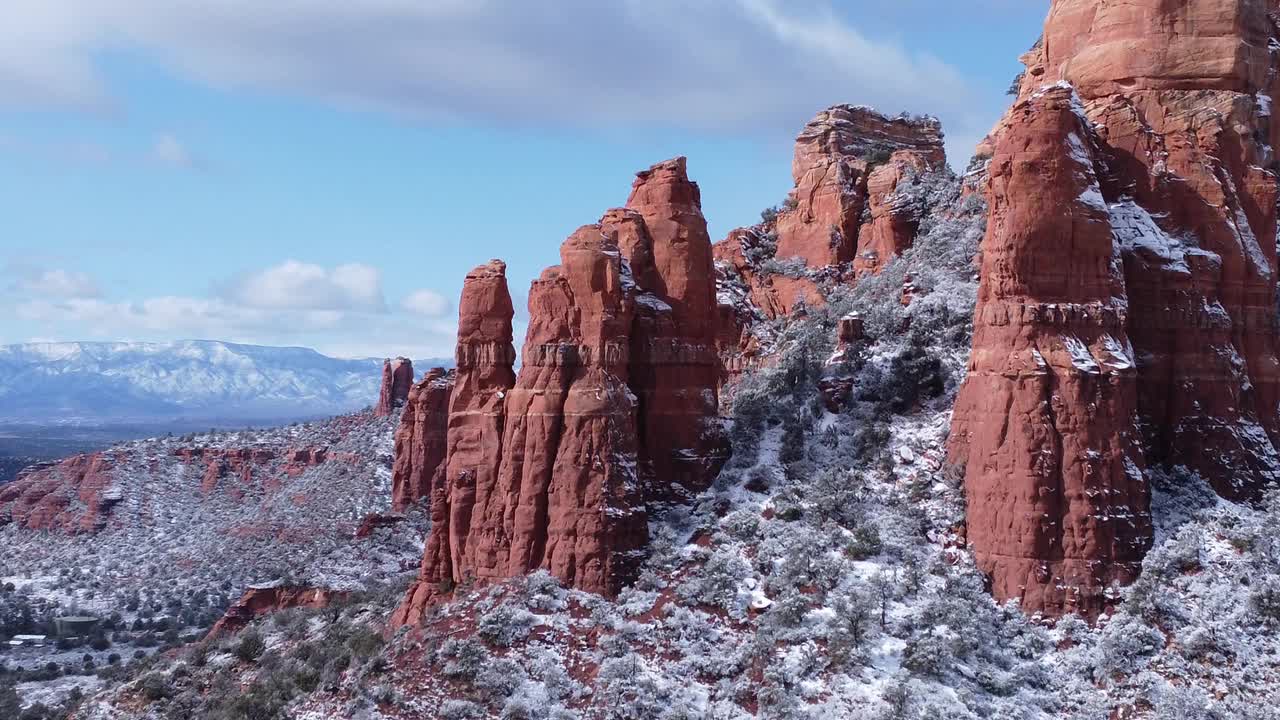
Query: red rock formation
[(1046, 422), (836, 383), (1177, 99), (834, 155), (615, 405), (259, 600), (421, 439), (397, 378), (373, 521), (773, 294), (483, 378), (1182, 93), (569, 496), (226, 462), (675, 367), (72, 496), (893, 222), (298, 460), (848, 215)]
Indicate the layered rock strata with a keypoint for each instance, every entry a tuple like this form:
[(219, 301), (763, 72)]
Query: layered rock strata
[(1176, 104), (397, 378), (614, 409), (420, 439), (850, 213), (1047, 417), (836, 155)]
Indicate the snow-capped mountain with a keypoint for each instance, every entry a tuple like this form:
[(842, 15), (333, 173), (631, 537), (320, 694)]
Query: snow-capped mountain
[(190, 380)]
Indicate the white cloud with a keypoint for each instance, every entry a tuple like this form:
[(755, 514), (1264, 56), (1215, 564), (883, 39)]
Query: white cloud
[(713, 64), (347, 334), (55, 283), (295, 285), (339, 311), (168, 150), (425, 302)]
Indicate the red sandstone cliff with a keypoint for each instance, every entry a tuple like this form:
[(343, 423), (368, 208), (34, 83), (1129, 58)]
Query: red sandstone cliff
[(1177, 105), (847, 216), (835, 156), (484, 375), (420, 440), (73, 495), (1047, 417), (674, 369), (265, 599), (614, 409), (397, 378), (1182, 94)]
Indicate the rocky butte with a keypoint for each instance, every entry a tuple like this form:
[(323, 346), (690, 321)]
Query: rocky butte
[(836, 157), (397, 378), (1127, 311), (845, 218), (614, 411)]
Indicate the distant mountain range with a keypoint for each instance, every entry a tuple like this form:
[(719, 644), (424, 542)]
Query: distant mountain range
[(189, 380)]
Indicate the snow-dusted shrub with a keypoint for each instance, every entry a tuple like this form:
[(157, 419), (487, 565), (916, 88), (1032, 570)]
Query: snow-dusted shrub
[(1181, 703), (543, 591), (1265, 599), (865, 541), (629, 692), (927, 654), (741, 525), (460, 710), (463, 657), (505, 625), (1126, 645), (499, 678), (837, 497), (792, 267), (717, 582)]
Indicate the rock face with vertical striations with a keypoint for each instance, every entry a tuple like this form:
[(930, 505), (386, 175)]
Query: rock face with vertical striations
[(1182, 94), (569, 493), (674, 369), (614, 409), (835, 156), (891, 219), (397, 378), (1173, 102), (420, 439), (1047, 417)]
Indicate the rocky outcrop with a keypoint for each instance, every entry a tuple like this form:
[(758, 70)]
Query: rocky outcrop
[(1172, 110), (572, 502), (259, 600), (1047, 418), (373, 522), (484, 375), (397, 378), (891, 219), (836, 155), (614, 409), (420, 440), (1182, 94), (674, 367), (72, 496), (221, 463), (851, 212)]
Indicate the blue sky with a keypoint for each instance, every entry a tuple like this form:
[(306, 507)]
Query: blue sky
[(323, 173)]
